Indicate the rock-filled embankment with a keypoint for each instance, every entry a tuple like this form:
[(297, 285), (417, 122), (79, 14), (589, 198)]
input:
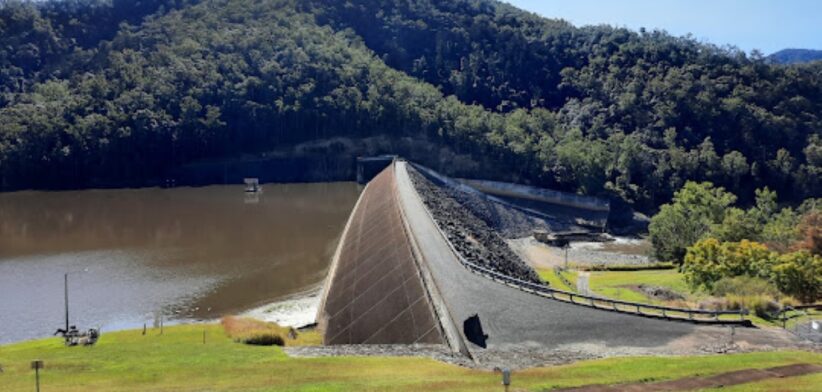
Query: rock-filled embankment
[(471, 236)]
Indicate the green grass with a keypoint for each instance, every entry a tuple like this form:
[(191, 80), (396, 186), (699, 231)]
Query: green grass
[(548, 275), (179, 361), (614, 284)]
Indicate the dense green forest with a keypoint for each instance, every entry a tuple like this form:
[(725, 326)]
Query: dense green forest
[(95, 92)]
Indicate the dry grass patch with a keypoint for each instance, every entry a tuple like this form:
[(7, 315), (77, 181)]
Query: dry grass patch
[(256, 332)]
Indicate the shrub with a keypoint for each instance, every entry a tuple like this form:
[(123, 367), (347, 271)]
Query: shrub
[(744, 285), (264, 339), (762, 305), (255, 332), (799, 274), (709, 260)]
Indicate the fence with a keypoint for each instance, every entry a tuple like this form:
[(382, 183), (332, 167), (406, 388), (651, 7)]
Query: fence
[(558, 272), (636, 308), (802, 328)]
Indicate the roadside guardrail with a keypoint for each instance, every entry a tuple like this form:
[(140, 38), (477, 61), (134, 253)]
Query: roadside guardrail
[(603, 303)]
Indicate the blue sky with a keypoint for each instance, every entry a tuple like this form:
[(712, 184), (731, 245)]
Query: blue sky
[(767, 25)]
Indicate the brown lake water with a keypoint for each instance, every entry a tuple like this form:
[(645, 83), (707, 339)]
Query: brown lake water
[(134, 256)]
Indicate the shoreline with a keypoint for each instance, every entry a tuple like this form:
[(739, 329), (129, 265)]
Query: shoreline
[(295, 310)]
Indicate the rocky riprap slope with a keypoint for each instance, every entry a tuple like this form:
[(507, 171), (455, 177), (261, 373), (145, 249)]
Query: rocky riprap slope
[(471, 236), (507, 221)]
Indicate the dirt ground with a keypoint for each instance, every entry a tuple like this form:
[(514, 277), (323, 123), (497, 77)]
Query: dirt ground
[(717, 381), (622, 251)]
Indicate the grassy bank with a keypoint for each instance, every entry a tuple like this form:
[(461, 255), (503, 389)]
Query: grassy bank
[(550, 276), (621, 284), (178, 360)]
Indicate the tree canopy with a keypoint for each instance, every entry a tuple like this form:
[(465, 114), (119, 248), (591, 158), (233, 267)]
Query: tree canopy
[(95, 91)]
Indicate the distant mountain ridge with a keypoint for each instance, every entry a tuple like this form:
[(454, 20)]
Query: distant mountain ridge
[(795, 56)]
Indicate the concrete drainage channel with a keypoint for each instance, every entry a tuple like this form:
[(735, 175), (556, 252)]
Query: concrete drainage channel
[(714, 317)]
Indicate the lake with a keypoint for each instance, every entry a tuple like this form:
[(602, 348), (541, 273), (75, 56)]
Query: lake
[(138, 255)]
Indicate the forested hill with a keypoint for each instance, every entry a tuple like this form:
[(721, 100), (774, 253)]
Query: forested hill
[(149, 86), (795, 56)]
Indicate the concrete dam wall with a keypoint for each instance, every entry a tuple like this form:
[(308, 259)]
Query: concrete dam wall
[(375, 293)]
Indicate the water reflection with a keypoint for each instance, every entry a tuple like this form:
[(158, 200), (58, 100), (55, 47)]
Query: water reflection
[(187, 252)]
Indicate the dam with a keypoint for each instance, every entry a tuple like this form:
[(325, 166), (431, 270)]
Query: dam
[(375, 293), (397, 278)]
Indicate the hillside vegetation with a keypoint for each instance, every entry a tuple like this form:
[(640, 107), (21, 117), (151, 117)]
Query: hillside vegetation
[(145, 87)]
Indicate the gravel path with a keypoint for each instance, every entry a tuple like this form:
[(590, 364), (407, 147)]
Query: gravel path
[(514, 356)]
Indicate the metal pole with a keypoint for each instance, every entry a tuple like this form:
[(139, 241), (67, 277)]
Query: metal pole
[(65, 282), (37, 378)]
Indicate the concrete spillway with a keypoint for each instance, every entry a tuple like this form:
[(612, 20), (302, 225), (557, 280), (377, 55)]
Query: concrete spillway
[(375, 293)]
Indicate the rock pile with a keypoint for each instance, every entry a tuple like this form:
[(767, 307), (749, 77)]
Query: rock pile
[(471, 236)]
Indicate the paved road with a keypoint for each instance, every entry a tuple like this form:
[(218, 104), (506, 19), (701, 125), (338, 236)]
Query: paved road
[(512, 317)]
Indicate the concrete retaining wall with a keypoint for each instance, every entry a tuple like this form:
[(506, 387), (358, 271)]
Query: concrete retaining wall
[(539, 194)]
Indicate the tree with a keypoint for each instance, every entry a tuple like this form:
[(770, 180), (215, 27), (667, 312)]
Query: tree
[(781, 230), (737, 225), (695, 208), (799, 274), (810, 233), (763, 223)]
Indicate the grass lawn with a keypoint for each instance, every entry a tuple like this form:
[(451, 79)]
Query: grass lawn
[(548, 275), (614, 284), (179, 361)]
